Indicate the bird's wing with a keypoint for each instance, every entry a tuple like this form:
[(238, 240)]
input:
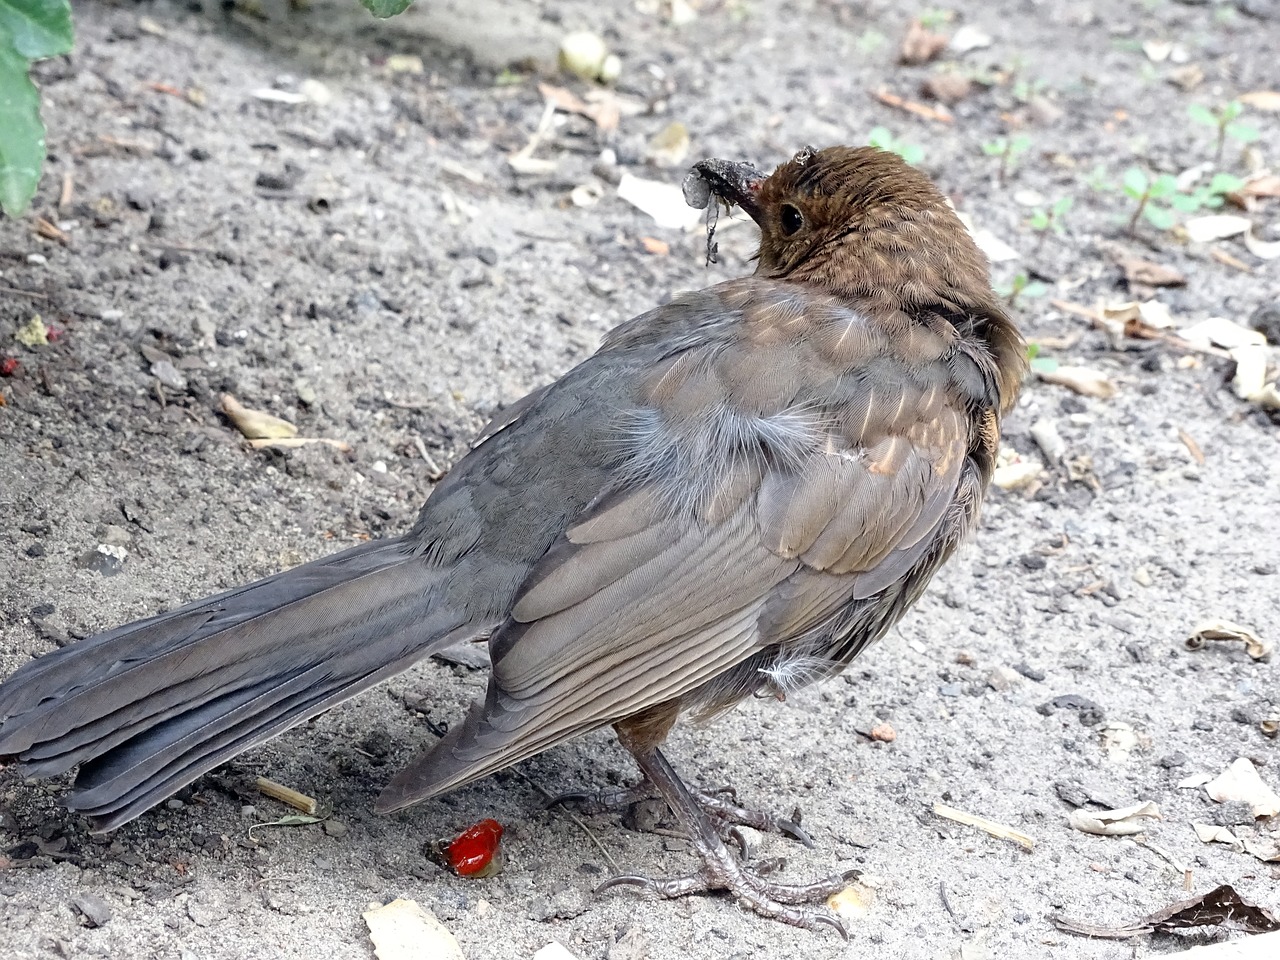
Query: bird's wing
[(739, 483)]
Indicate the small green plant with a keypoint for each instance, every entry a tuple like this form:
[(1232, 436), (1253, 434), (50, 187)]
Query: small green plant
[(869, 41), (1153, 196), (881, 137), (1225, 121), (1042, 220), (1026, 89), (934, 19), (1211, 194), (1008, 149), (1021, 286)]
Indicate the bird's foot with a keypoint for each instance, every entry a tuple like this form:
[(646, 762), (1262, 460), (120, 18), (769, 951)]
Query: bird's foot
[(791, 903), (704, 818)]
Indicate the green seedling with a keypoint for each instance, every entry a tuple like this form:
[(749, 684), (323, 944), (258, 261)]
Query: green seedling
[(1226, 123), (1025, 90), (1021, 286), (882, 138), (1211, 195), (1008, 149), (934, 19), (1042, 221), (1153, 196), (869, 41)]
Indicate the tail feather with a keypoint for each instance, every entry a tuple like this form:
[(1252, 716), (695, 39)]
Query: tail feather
[(146, 708)]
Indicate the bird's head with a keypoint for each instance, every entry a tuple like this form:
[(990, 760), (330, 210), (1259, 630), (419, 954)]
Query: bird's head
[(865, 225)]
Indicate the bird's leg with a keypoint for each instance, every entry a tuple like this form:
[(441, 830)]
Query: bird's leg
[(720, 870), (719, 804)]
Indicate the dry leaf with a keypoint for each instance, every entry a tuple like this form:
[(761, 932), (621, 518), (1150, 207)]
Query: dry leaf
[(404, 930), (1114, 823), (659, 248), (1221, 905), (1217, 226), (1150, 273), (1266, 849), (1212, 833), (604, 110), (1082, 380), (1223, 332), (664, 202), (1267, 185), (255, 424), (853, 902), (920, 45), (948, 87), (1268, 100), (1226, 630), (1261, 249), (1240, 782)]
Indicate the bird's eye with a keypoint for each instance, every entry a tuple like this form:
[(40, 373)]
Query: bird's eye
[(792, 219)]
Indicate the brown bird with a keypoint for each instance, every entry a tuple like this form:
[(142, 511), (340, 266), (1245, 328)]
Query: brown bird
[(736, 495)]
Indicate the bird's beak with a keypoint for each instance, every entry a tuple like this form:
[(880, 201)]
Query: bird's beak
[(727, 181)]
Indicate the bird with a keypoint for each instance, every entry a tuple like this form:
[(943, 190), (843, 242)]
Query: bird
[(735, 496)]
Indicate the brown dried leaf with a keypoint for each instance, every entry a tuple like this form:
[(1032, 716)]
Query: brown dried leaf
[(1220, 906), (1226, 630), (948, 87), (255, 424), (921, 45), (1150, 273)]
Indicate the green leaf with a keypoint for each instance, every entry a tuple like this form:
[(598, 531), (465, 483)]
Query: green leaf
[(1044, 364), (1039, 220), (911, 153), (1243, 132), (995, 147), (880, 137), (1035, 289), (1225, 183), (385, 8), (1186, 202), (1061, 208), (22, 146), (1135, 182), (1160, 217), (1202, 114), (1164, 185), (1019, 144), (1033, 350), (1230, 111), (36, 29)]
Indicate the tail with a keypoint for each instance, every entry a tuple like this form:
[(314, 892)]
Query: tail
[(146, 708)]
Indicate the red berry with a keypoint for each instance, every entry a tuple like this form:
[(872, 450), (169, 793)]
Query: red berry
[(474, 848), (9, 366)]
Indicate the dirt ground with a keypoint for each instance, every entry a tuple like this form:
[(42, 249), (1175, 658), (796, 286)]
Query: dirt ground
[(368, 265)]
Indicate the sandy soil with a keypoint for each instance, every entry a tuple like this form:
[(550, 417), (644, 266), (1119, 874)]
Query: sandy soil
[(371, 268)]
